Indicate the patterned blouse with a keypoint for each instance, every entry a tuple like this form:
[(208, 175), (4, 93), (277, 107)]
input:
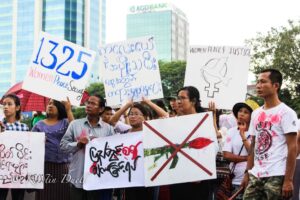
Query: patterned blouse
[(16, 126)]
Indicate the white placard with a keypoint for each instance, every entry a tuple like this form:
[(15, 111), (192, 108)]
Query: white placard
[(59, 69), (193, 135), (114, 162), (22, 159), (130, 71), (219, 72)]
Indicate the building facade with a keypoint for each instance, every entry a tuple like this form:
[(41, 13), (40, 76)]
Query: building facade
[(80, 21), (166, 23), (17, 35)]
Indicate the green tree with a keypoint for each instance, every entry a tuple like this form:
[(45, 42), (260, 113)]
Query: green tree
[(78, 112), (172, 76), (292, 101), (280, 49), (96, 88), (27, 121), (93, 88)]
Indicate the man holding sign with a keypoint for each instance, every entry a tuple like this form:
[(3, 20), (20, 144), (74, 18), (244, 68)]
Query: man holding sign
[(78, 134)]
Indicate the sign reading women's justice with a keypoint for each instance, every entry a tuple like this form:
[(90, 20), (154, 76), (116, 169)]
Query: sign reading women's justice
[(180, 149), (114, 162), (219, 72), (22, 160), (130, 71), (59, 69)]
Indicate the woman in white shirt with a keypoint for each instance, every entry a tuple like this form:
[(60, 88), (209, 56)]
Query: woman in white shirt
[(237, 144)]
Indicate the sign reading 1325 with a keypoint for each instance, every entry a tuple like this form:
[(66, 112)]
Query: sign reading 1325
[(58, 69), (65, 59)]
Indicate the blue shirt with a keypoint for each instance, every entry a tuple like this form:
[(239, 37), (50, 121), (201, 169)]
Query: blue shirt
[(68, 144), (53, 134)]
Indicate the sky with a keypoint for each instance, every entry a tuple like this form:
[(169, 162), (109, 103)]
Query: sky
[(213, 22)]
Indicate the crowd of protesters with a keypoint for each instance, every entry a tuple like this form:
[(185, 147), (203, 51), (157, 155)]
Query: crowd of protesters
[(259, 142)]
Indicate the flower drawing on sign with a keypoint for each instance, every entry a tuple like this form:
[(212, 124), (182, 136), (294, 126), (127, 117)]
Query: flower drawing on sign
[(213, 73), (174, 149), (197, 143)]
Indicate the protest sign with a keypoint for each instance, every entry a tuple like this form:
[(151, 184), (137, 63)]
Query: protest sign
[(22, 159), (114, 162), (220, 74), (130, 71), (59, 69), (180, 149)]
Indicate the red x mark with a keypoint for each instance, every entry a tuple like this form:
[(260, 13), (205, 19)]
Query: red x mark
[(178, 149)]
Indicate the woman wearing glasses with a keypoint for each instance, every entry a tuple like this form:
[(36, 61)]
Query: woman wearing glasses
[(137, 114), (188, 100)]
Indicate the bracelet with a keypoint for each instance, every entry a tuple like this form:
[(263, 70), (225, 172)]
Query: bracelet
[(244, 140), (246, 171)]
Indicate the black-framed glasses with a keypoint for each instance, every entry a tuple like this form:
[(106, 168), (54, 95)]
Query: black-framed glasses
[(181, 98), (134, 114)]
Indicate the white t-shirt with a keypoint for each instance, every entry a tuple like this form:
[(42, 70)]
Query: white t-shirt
[(233, 144), (121, 127), (269, 127), (227, 120)]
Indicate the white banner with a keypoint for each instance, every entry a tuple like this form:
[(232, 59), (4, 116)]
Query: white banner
[(114, 162), (59, 69), (179, 149), (130, 71), (22, 159), (219, 72)]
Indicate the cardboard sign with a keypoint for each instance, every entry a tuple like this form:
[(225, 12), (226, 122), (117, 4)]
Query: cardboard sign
[(22, 160), (114, 162), (130, 71), (59, 69), (180, 149), (219, 72)]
